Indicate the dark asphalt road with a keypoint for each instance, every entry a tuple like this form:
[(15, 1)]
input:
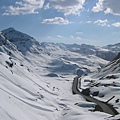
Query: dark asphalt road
[(105, 107)]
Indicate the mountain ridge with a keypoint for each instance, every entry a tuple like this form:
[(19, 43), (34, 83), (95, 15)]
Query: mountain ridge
[(21, 40)]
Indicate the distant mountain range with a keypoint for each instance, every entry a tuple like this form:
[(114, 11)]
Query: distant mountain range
[(25, 43), (13, 41)]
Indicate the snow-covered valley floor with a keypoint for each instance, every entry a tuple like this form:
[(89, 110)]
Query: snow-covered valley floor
[(28, 94)]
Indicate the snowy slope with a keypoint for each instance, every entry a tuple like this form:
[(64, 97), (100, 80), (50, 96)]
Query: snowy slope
[(55, 57), (105, 84), (24, 42), (28, 95), (102, 52), (66, 61), (115, 48), (6, 45), (36, 79)]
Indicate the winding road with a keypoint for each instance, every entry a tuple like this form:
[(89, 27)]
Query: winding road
[(103, 106)]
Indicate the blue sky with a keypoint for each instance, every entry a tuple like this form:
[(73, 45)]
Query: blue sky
[(95, 22)]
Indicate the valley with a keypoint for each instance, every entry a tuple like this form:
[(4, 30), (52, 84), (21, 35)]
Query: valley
[(36, 78)]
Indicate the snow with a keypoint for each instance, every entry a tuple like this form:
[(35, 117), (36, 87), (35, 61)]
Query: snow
[(36, 81), (106, 83)]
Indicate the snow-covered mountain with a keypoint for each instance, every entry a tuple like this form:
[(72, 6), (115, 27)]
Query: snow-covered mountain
[(6, 44), (102, 52), (24, 42), (114, 48), (59, 58), (36, 78), (105, 84)]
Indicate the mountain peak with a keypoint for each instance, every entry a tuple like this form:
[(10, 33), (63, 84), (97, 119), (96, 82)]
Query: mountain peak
[(8, 30), (14, 35), (22, 41)]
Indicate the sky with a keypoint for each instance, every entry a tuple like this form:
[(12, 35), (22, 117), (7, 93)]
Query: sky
[(94, 22)]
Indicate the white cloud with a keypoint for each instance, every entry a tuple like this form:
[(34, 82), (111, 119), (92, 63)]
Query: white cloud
[(59, 36), (78, 38), (49, 37), (98, 7), (24, 7), (117, 24), (75, 37), (56, 20), (67, 6), (101, 22), (108, 6)]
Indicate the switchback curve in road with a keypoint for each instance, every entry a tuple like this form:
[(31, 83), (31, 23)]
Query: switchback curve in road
[(105, 107)]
